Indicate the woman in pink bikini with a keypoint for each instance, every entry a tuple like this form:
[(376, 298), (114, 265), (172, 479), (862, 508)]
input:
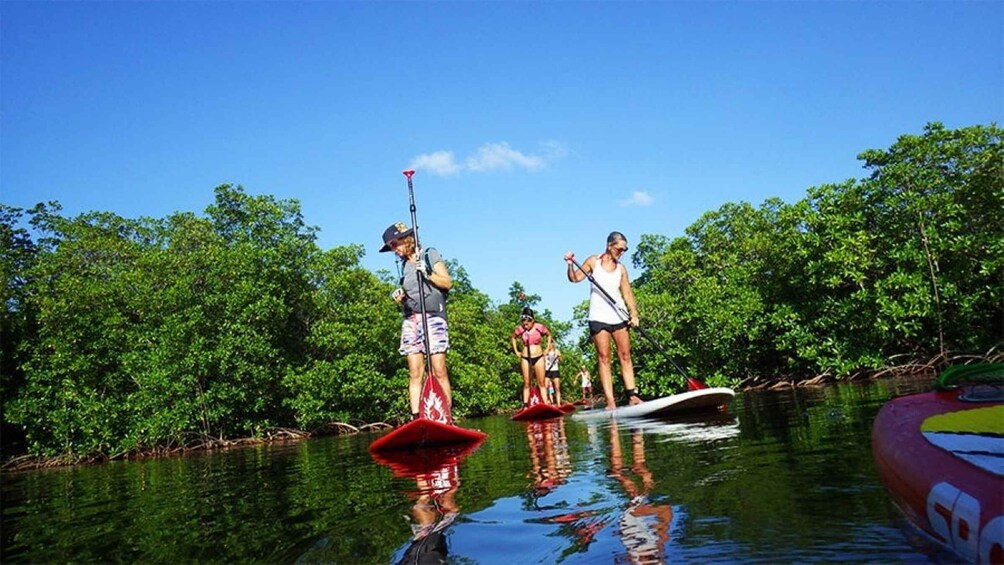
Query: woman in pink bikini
[(531, 357), (610, 320)]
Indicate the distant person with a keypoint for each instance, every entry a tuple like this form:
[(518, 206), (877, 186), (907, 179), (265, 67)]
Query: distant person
[(551, 357), (531, 333), (587, 383), (609, 316), (428, 269)]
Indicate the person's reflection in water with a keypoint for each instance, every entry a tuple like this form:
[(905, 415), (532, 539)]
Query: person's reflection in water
[(550, 464), (644, 526), (434, 510)]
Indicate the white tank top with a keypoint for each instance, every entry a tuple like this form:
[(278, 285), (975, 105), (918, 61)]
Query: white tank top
[(551, 361), (600, 309)]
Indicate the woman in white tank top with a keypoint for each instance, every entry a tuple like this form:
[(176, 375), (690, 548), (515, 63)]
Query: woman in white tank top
[(610, 320), (600, 308)]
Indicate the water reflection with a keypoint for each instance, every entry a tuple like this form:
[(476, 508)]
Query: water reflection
[(700, 429), (624, 519), (643, 526), (792, 480), (434, 510), (437, 479), (550, 463)]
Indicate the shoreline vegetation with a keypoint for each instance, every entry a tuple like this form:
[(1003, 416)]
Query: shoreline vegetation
[(128, 336), (918, 370)]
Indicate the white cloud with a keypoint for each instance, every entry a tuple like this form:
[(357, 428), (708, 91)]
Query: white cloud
[(439, 163), (495, 156), (638, 198), (489, 157)]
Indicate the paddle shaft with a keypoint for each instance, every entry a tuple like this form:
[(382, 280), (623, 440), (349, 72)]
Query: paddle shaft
[(419, 273), (691, 382)]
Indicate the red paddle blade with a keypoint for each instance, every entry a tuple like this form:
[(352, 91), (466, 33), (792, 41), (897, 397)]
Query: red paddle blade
[(694, 384), (433, 404)]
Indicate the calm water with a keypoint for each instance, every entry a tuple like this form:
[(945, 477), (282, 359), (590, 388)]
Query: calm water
[(784, 476)]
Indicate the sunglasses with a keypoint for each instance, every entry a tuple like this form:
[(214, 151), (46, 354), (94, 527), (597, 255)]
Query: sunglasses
[(525, 318)]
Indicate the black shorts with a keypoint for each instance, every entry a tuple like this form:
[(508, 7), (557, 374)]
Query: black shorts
[(597, 327), (551, 374)]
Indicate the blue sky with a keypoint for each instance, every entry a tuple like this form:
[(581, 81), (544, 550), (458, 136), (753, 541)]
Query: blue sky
[(535, 127)]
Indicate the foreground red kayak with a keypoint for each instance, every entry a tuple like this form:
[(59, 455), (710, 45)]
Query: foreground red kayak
[(940, 454)]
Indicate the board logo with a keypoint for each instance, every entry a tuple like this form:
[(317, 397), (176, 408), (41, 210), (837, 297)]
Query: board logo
[(433, 402), (535, 398), (434, 409), (954, 516)]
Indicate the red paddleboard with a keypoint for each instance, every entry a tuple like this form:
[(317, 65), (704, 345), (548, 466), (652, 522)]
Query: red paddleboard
[(567, 407), (941, 457), (434, 426), (537, 409), (538, 412)]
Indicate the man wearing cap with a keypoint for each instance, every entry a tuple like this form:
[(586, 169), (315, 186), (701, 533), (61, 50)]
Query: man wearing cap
[(436, 282)]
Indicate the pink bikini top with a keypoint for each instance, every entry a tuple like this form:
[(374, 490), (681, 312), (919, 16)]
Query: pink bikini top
[(533, 335)]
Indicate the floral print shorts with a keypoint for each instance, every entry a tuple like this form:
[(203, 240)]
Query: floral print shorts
[(411, 335)]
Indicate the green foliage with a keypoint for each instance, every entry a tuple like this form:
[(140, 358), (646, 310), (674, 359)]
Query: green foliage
[(352, 371), (480, 361), (908, 261), (17, 318), (153, 333)]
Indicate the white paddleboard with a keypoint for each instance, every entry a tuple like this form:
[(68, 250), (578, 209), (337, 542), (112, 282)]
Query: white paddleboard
[(685, 402)]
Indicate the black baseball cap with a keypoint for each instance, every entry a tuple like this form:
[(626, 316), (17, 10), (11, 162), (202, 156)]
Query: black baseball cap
[(394, 231)]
